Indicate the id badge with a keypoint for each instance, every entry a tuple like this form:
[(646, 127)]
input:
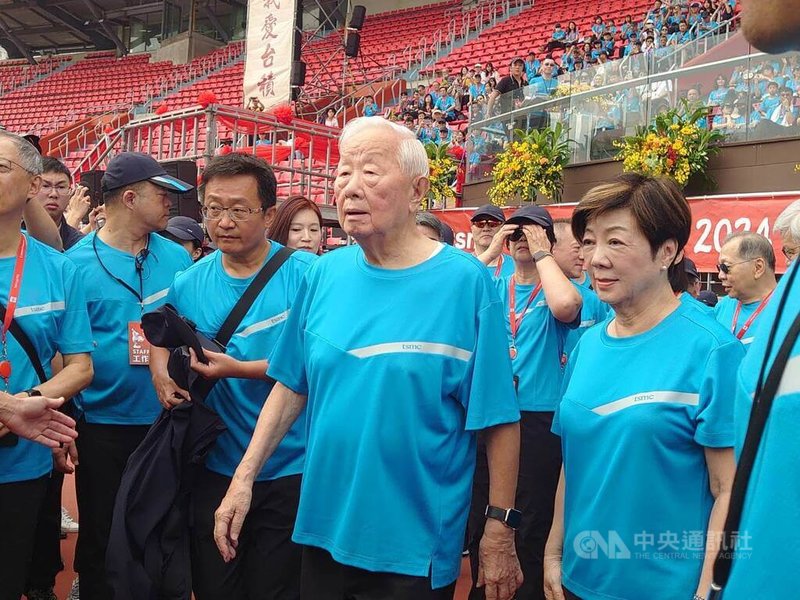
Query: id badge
[(138, 346)]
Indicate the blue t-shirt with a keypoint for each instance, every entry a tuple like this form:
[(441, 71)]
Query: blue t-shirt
[(772, 503), (239, 401), (540, 346), (51, 310), (586, 283), (636, 416), (544, 87), (370, 110), (692, 302), (725, 310), (716, 97), (503, 268), (593, 311), (397, 380), (121, 393), (769, 103), (446, 104)]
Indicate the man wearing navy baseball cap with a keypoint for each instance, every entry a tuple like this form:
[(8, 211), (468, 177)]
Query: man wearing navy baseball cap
[(485, 223), (127, 271)]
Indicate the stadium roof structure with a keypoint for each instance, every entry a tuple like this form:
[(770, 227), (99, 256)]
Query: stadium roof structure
[(29, 27)]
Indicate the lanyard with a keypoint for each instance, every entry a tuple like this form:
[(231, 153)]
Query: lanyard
[(13, 297), (512, 314), (139, 262), (499, 266), (749, 321)]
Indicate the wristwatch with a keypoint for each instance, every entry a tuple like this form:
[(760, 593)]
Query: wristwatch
[(510, 517), (537, 256), (32, 392)]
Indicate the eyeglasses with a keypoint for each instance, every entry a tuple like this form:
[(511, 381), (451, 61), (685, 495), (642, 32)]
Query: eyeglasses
[(237, 213), (726, 268), (6, 166), (60, 189), (517, 235), (486, 223), (790, 252)]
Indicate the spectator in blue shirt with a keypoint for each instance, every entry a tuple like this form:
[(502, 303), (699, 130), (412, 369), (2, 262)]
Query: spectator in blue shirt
[(607, 43), (446, 103), (443, 133), (640, 411), (532, 66), (371, 108), (628, 27), (770, 100), (727, 122), (598, 27), (557, 39), (453, 373), (718, 94), (546, 83), (785, 114), (573, 35), (683, 35)]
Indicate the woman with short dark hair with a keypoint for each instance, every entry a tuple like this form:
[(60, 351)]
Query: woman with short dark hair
[(646, 415)]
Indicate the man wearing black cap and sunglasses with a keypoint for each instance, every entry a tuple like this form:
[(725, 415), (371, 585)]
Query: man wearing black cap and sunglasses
[(127, 271), (541, 306), (485, 224)]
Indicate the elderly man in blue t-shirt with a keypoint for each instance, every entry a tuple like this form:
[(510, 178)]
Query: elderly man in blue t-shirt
[(394, 397)]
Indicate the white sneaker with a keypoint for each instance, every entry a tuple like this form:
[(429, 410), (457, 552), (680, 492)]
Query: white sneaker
[(68, 524), (74, 591)]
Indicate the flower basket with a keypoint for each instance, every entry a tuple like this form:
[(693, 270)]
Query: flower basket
[(675, 145), (443, 169), (533, 162)]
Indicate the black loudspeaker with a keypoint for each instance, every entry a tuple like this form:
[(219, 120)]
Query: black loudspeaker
[(185, 205), (91, 181), (357, 19), (298, 78), (353, 44)]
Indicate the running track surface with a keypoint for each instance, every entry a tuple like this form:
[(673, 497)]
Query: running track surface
[(64, 580)]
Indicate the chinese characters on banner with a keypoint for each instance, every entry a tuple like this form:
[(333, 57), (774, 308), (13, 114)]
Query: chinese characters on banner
[(270, 40), (714, 218)]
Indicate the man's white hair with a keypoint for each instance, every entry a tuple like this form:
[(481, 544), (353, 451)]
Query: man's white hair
[(788, 222), (410, 152)]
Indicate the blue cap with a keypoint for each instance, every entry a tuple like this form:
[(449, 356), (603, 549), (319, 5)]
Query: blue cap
[(708, 298), (133, 167), (185, 229), (489, 210)]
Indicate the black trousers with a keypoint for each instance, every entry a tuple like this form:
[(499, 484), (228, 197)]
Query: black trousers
[(20, 503), (325, 579), (539, 468), (103, 451), (267, 563), (46, 563)]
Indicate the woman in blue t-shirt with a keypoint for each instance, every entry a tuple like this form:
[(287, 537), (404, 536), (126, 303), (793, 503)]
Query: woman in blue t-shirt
[(646, 415)]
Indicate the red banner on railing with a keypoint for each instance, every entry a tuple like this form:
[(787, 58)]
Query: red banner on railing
[(714, 218)]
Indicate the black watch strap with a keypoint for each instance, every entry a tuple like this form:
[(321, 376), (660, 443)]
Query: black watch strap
[(32, 392), (510, 517)]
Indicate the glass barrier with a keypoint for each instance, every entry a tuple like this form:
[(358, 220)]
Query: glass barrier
[(748, 98)]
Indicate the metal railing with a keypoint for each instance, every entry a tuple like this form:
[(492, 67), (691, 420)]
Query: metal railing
[(700, 44), (302, 154)]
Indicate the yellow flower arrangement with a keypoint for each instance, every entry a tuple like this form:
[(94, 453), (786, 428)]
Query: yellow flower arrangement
[(564, 90), (674, 145), (442, 174), (533, 162)]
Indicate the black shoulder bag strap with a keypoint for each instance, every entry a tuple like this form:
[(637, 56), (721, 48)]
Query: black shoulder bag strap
[(762, 404), (24, 341), (243, 305), (250, 294)]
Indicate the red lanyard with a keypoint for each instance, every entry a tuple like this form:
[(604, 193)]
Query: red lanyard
[(13, 296), (512, 314), (749, 321), (499, 266)]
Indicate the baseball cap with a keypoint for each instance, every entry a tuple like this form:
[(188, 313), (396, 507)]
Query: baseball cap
[(133, 167), (531, 214), (708, 298), (690, 268), (489, 210), (185, 229)]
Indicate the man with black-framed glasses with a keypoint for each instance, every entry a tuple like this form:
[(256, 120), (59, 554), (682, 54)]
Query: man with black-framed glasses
[(747, 272), (127, 271), (55, 194), (238, 207)]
